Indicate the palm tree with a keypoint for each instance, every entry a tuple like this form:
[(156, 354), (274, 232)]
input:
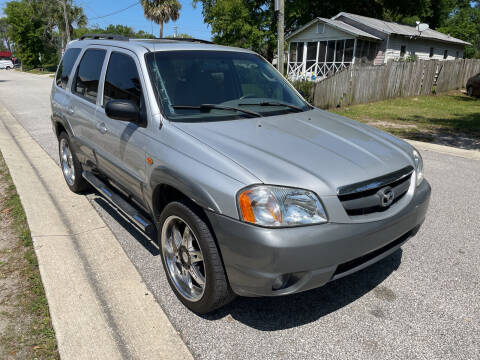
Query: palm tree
[(161, 11)]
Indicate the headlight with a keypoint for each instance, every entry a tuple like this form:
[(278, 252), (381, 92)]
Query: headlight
[(418, 166), (276, 206)]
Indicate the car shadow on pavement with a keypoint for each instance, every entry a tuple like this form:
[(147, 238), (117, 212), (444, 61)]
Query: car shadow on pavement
[(148, 242), (278, 313)]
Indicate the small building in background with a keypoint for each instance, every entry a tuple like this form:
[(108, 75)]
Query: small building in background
[(325, 46)]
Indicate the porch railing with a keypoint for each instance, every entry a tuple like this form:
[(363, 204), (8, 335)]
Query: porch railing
[(317, 71)]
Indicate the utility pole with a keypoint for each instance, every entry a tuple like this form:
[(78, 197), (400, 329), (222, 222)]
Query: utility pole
[(67, 24), (280, 9)]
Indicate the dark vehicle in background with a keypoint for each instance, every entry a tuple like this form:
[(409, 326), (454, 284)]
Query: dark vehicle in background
[(473, 85)]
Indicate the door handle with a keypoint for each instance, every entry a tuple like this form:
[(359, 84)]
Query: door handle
[(102, 127), (71, 111)]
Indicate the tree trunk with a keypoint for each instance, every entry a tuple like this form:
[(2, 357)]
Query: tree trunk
[(161, 29)]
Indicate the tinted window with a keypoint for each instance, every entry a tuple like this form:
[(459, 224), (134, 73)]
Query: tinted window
[(65, 67), (88, 74), (122, 81), (192, 78)]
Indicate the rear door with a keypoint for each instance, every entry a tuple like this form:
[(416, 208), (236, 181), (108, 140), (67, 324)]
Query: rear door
[(60, 97), (84, 98), (124, 143)]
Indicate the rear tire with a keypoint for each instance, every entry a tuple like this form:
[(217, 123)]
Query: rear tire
[(470, 91), (71, 167), (181, 254)]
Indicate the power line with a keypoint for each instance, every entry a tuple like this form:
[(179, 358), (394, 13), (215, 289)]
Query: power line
[(115, 12)]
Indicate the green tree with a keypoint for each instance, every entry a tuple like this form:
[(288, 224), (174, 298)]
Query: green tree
[(123, 30), (161, 11), (464, 23), (5, 42), (244, 23), (29, 30)]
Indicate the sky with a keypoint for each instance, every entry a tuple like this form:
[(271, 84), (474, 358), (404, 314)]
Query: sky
[(190, 21)]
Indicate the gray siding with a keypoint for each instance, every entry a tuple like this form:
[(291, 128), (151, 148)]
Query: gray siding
[(311, 34), (421, 48)]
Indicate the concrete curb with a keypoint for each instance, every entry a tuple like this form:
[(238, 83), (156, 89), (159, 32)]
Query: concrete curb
[(100, 307), (468, 154)]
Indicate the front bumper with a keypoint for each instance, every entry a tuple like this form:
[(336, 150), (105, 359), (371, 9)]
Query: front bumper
[(310, 256)]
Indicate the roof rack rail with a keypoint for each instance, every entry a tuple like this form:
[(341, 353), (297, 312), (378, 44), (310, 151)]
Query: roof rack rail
[(104, 37), (187, 40)]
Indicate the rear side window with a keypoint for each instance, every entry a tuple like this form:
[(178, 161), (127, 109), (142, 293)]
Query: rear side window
[(65, 67), (88, 74), (122, 81)]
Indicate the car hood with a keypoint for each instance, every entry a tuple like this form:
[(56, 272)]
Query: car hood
[(315, 149)]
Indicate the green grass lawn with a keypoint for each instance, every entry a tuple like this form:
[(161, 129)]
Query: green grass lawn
[(39, 72), (26, 331), (421, 117)]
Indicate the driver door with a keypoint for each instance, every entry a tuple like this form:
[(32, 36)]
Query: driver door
[(123, 156)]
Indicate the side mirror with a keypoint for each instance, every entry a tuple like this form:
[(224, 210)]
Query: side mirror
[(124, 110)]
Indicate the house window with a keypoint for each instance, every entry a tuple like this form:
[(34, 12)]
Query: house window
[(320, 28), (296, 52), (445, 54), (431, 52), (311, 54), (349, 44), (293, 52), (322, 51), (339, 51), (403, 50), (331, 51), (300, 52)]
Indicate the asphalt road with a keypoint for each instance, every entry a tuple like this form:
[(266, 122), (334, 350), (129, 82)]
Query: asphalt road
[(423, 302)]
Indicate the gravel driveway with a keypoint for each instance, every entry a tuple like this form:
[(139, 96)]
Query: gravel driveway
[(422, 302)]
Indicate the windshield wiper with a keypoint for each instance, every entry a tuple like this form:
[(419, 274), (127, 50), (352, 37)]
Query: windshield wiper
[(274, 103), (207, 107)]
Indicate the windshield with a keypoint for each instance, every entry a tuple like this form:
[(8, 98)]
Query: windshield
[(219, 85)]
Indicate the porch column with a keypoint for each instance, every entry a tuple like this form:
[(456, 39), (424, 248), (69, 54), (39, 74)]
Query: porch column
[(304, 60), (354, 50)]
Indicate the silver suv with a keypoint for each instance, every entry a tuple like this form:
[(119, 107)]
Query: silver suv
[(252, 191)]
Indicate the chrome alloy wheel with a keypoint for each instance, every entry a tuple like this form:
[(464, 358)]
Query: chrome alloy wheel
[(183, 258), (66, 161)]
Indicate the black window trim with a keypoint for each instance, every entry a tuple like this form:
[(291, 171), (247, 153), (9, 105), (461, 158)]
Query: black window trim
[(77, 67)]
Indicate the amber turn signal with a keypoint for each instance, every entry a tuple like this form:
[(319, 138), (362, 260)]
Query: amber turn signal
[(246, 207)]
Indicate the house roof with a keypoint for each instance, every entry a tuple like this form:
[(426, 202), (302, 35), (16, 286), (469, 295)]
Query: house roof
[(340, 25), (388, 27)]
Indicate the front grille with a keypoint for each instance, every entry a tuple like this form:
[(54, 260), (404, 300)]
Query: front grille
[(352, 264), (366, 197)]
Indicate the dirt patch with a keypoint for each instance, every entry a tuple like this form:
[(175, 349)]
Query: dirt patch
[(433, 135), (391, 125), (25, 328)]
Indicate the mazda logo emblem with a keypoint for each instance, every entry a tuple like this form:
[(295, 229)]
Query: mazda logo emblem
[(387, 196)]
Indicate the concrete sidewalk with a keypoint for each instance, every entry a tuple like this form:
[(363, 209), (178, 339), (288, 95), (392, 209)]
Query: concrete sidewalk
[(99, 305)]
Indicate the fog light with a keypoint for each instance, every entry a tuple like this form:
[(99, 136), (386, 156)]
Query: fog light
[(281, 282)]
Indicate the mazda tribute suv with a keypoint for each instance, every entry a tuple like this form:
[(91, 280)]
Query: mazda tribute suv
[(250, 189)]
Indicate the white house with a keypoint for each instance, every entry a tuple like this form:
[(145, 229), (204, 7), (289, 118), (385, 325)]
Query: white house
[(324, 46)]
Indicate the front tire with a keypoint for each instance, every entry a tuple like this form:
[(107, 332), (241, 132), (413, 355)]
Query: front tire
[(470, 91), (191, 259), (71, 167)]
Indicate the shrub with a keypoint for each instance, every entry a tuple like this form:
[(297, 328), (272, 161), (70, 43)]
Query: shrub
[(306, 88)]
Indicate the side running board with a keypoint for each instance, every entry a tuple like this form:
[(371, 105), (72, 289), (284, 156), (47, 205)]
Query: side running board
[(119, 203)]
